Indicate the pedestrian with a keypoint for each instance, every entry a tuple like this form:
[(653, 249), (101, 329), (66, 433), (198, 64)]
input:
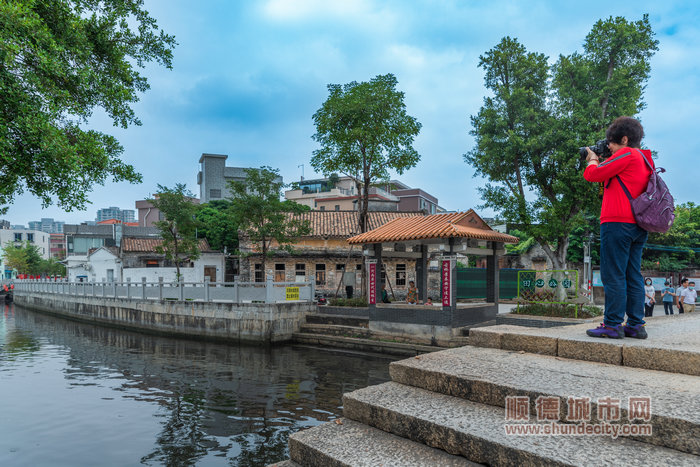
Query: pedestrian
[(689, 296), (667, 296), (681, 288), (649, 298), (412, 296), (621, 239)]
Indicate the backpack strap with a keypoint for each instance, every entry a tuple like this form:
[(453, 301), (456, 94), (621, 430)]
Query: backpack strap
[(624, 188)]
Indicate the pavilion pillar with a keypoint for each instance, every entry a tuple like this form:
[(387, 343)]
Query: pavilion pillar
[(380, 268), (492, 275), (422, 274)]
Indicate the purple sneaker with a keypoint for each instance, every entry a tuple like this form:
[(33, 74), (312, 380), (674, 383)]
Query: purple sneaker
[(613, 332), (638, 331)]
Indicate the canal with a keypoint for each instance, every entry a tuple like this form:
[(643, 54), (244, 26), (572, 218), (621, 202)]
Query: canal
[(75, 394)]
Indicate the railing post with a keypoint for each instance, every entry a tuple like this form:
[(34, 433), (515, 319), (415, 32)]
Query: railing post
[(143, 288), (181, 286), (160, 288), (235, 290), (206, 289), (114, 288), (312, 287), (128, 288), (269, 289)]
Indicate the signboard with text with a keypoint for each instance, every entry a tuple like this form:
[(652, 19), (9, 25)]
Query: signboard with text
[(372, 279), (292, 293), (446, 272)]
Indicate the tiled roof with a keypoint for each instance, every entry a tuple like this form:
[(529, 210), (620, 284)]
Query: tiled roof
[(133, 244), (460, 224), (346, 223)]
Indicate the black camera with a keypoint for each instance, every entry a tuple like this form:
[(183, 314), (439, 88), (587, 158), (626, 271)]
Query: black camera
[(600, 148)]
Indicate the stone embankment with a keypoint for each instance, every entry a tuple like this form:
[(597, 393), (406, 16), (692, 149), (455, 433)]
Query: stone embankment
[(261, 323), (449, 407)]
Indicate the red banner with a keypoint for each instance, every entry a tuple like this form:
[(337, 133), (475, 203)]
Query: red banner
[(372, 269), (446, 282)]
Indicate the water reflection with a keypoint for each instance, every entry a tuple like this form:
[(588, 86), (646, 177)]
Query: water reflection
[(81, 391)]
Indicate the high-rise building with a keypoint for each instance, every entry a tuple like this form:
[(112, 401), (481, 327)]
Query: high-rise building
[(113, 212), (47, 224)]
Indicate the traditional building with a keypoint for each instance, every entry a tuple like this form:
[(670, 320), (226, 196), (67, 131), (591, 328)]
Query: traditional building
[(324, 255)]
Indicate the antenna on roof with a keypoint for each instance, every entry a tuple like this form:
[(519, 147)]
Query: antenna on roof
[(302, 171)]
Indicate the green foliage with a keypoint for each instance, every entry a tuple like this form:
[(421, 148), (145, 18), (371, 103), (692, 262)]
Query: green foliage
[(26, 259), (579, 235), (354, 302), (59, 61), (179, 225), (219, 225), (528, 131), (364, 131), (523, 246), (263, 216), (558, 310), (679, 248)]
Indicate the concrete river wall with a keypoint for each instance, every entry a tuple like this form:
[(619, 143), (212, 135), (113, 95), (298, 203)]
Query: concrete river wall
[(233, 322)]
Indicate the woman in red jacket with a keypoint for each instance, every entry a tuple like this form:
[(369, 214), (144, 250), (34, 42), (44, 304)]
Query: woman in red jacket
[(621, 239)]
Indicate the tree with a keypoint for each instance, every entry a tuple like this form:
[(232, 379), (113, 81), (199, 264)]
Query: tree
[(679, 248), (528, 131), (364, 131), (59, 62), (178, 229), (263, 216), (15, 257), (219, 225)]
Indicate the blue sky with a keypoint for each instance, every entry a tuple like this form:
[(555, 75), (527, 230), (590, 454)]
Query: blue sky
[(248, 76)]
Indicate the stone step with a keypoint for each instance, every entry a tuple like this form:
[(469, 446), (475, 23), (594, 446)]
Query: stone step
[(488, 376), (335, 330), (287, 463), (349, 443), (477, 432), (673, 344), (342, 320), (366, 345)]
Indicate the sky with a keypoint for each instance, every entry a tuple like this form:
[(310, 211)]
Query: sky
[(248, 76)]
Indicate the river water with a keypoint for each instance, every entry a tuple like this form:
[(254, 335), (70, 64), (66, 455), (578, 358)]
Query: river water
[(75, 394)]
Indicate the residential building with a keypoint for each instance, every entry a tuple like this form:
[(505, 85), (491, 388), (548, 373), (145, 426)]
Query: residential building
[(214, 177), (113, 212), (341, 194), (48, 225), (57, 245), (137, 260), (4, 224), (149, 214), (19, 237), (80, 239)]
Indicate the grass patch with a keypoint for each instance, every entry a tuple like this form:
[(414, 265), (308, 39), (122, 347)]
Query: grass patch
[(557, 310)]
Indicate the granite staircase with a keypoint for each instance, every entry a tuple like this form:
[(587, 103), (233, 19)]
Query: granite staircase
[(448, 408)]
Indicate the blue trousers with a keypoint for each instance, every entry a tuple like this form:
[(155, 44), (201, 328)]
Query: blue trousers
[(621, 247)]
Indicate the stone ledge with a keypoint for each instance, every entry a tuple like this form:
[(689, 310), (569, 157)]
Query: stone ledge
[(369, 345), (673, 344), (476, 431)]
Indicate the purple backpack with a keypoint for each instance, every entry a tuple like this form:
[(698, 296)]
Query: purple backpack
[(653, 209)]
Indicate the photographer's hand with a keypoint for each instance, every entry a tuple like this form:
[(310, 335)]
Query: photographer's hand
[(592, 158)]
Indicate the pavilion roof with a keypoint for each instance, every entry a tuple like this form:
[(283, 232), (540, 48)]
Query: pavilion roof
[(445, 225)]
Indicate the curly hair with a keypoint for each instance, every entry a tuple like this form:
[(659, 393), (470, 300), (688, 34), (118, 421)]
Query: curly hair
[(625, 126)]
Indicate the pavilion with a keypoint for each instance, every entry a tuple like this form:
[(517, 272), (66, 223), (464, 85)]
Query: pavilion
[(460, 232)]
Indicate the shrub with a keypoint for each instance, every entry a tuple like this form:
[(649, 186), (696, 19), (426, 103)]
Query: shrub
[(558, 310), (356, 302)]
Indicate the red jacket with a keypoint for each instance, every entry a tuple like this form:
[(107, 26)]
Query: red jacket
[(629, 165)]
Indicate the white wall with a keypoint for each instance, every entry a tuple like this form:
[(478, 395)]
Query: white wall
[(75, 266), (102, 260), (193, 274)]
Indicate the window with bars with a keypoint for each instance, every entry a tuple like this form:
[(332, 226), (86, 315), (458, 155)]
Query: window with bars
[(400, 275), (259, 273), (300, 272)]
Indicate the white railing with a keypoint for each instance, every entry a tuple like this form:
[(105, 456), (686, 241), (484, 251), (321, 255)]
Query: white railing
[(233, 292)]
